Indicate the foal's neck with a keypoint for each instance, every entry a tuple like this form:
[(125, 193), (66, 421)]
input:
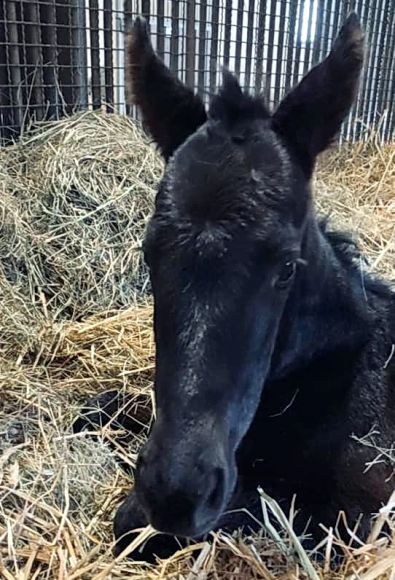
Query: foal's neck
[(327, 311)]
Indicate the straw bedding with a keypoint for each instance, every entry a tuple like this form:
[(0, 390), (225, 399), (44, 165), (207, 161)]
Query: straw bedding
[(75, 319)]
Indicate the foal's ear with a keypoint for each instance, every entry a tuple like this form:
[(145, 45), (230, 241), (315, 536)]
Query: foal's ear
[(311, 115), (171, 111)]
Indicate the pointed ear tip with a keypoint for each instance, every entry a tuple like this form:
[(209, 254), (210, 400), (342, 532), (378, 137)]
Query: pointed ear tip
[(139, 27), (226, 73), (140, 21), (137, 36), (353, 19), (351, 38), (229, 79), (352, 26)]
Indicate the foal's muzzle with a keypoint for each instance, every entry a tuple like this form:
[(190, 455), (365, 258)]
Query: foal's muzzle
[(183, 490)]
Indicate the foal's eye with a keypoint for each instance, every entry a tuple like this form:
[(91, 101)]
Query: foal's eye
[(285, 274)]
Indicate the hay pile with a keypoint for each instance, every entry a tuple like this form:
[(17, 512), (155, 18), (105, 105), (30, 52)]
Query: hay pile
[(75, 320), (73, 209)]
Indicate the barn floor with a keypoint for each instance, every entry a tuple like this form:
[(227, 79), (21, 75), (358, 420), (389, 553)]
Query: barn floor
[(75, 319)]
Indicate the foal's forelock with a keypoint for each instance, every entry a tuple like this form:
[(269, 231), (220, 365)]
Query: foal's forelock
[(228, 213)]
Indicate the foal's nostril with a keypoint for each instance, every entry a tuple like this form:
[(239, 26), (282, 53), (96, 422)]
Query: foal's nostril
[(215, 497)]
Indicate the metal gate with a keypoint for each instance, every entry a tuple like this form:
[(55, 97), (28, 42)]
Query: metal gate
[(60, 56)]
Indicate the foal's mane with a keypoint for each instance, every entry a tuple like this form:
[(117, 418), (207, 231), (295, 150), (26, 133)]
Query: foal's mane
[(349, 254)]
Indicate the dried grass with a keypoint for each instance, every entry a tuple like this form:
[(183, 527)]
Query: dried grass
[(69, 328), (355, 185), (73, 209)]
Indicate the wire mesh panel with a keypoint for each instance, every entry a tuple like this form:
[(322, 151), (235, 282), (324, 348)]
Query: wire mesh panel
[(60, 56)]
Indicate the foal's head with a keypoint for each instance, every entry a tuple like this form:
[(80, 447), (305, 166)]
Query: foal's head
[(223, 248)]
